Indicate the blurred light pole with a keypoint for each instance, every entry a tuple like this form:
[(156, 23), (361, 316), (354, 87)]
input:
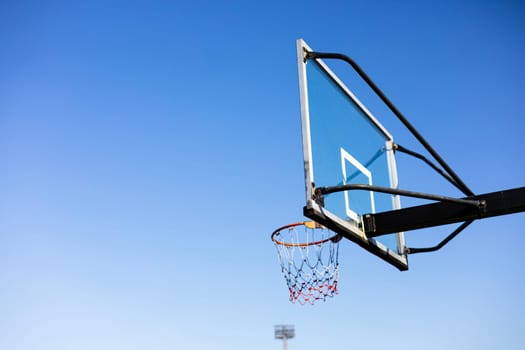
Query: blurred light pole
[(284, 332)]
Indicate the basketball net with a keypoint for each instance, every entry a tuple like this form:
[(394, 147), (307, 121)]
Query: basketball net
[(308, 254)]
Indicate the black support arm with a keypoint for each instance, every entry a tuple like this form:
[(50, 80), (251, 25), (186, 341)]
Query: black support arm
[(446, 212)]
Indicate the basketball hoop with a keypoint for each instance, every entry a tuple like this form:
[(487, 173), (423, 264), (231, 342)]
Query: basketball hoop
[(308, 253)]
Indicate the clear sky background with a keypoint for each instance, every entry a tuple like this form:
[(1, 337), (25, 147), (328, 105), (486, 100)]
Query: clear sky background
[(148, 149)]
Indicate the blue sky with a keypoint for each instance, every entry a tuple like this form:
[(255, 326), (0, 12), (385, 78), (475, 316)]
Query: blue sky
[(150, 148)]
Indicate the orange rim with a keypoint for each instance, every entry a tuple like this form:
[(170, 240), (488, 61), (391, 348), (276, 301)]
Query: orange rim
[(304, 223)]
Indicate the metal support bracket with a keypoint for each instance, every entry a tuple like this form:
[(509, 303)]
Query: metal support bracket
[(445, 212), (447, 209)]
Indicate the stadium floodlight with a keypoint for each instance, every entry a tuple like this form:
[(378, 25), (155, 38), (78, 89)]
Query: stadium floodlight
[(284, 332)]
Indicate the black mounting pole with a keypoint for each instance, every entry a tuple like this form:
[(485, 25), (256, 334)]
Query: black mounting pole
[(399, 115), (444, 212)]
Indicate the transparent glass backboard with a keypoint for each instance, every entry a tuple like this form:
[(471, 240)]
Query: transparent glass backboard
[(344, 144)]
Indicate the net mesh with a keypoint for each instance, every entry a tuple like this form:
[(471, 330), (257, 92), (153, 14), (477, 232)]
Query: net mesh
[(308, 255)]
